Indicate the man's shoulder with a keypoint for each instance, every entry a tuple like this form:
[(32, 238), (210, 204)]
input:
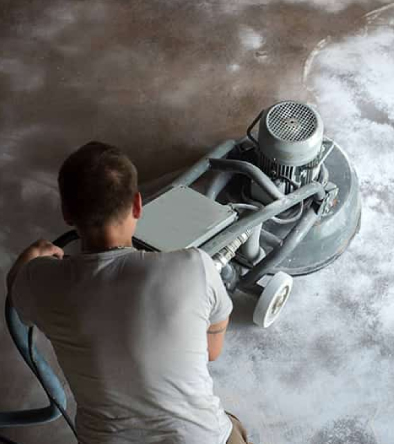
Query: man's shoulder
[(188, 260), (45, 264), (184, 254), (40, 272), (193, 256), (38, 264), (183, 260)]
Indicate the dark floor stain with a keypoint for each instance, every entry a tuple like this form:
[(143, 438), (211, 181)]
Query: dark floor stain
[(345, 431)]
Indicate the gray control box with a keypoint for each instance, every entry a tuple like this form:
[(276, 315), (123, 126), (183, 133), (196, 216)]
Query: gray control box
[(182, 218)]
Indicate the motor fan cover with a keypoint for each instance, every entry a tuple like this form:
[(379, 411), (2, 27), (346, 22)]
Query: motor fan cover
[(291, 134)]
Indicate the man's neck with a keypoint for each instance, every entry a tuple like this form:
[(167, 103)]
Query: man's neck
[(97, 247), (106, 239)]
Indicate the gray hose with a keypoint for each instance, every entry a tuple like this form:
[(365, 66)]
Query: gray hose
[(243, 206), (275, 219), (20, 335), (217, 185), (251, 249), (250, 170), (269, 238), (268, 263)]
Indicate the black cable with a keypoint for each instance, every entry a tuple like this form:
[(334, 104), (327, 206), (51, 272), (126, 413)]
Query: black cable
[(251, 126), (289, 220), (37, 373), (291, 182), (5, 440)]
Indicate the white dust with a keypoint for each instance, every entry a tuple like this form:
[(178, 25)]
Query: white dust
[(250, 39)]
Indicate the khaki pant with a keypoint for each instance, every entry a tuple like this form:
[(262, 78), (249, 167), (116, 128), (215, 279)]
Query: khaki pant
[(238, 434)]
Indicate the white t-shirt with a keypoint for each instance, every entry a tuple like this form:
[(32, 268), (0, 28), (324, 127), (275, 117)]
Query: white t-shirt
[(129, 329)]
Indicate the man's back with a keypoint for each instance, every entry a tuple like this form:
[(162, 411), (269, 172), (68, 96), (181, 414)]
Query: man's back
[(129, 330)]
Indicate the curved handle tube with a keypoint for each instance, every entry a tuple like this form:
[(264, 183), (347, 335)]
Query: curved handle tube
[(250, 170), (276, 256), (252, 219), (66, 238)]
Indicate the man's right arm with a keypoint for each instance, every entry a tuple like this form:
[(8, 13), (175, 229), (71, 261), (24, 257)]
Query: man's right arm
[(18, 282), (216, 333), (39, 248), (221, 307)]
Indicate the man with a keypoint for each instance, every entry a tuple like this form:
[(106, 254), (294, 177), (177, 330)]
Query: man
[(132, 330)]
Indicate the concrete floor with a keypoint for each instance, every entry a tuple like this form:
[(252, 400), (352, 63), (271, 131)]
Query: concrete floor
[(167, 81)]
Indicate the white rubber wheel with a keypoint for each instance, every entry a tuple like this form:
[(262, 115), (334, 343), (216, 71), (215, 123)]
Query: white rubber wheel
[(272, 299)]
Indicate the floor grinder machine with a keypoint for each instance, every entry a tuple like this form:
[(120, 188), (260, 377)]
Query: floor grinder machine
[(283, 201)]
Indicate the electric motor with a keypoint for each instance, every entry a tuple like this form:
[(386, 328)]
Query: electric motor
[(290, 144)]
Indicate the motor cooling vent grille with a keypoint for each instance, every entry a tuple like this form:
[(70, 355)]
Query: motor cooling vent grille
[(291, 121)]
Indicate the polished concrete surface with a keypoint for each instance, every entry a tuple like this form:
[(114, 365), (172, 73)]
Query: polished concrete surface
[(167, 80)]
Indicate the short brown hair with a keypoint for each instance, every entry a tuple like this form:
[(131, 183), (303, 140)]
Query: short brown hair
[(97, 185)]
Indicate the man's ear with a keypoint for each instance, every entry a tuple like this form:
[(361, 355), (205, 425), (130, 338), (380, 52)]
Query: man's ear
[(137, 206), (66, 216)]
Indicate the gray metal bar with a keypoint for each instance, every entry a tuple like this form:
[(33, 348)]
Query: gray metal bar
[(324, 175), (268, 263), (200, 167), (214, 245), (270, 239), (250, 170)]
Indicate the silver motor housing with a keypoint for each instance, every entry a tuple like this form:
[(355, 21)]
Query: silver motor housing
[(290, 144)]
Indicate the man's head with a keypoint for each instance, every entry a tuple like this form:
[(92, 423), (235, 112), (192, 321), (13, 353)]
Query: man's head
[(98, 187)]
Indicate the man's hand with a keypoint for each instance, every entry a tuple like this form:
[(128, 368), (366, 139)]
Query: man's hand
[(43, 247), (39, 248)]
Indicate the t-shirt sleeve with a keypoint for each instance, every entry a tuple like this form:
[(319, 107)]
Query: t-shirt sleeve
[(221, 304), (21, 296)]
